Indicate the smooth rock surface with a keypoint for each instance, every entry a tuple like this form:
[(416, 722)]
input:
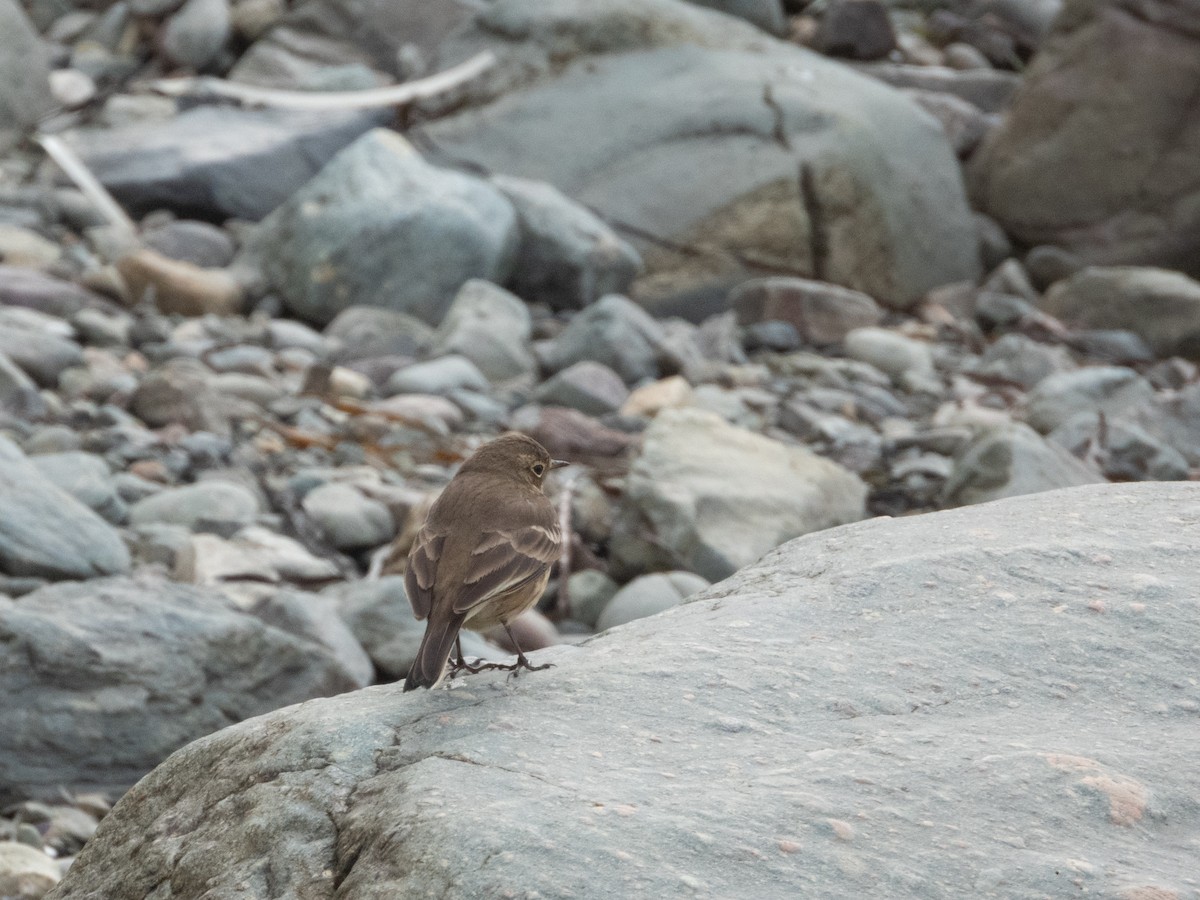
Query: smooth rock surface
[(24, 75), (993, 701), (647, 595), (106, 678), (715, 497), (195, 504)]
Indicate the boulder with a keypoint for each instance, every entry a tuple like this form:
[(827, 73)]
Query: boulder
[(24, 75), (710, 498), (992, 701), (104, 679), (847, 182), (1116, 186), (379, 226)]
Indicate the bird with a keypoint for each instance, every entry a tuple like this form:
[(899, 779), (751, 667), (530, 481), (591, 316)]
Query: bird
[(483, 555)]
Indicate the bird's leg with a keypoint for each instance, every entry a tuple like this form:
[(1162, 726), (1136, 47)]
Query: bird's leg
[(460, 664), (522, 662)]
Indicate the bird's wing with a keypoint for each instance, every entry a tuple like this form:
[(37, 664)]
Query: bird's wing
[(422, 569), (506, 558)]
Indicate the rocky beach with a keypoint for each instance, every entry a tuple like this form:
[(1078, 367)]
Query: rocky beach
[(799, 289)]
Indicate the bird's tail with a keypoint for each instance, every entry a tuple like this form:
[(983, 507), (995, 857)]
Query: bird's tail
[(430, 664)]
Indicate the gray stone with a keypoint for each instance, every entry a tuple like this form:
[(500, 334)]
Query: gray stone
[(194, 35), (181, 391), (792, 179), (199, 243), (822, 708), (219, 162), (587, 386), (1107, 389), (18, 393), (24, 75), (1175, 417), (379, 615), (822, 313), (35, 290), (1112, 187), (194, 505), (1162, 307), (647, 595), (1010, 460), (43, 356), (890, 352), (1021, 360), (368, 331), (437, 376), (614, 331), (101, 329), (315, 618), (46, 532), (708, 497), (349, 520), (128, 672), (490, 327), (379, 226), (567, 257), (964, 123), (588, 592), (87, 478), (857, 29), (1122, 450)]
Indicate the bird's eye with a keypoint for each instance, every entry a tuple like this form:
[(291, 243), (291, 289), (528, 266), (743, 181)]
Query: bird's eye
[(538, 469)]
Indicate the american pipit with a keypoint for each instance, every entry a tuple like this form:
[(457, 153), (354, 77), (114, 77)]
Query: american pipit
[(483, 556)]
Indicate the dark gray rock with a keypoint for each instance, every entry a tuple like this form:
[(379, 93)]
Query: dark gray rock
[(792, 175), (217, 162), (199, 243), (1122, 450), (587, 386), (24, 75), (379, 226), (490, 327), (32, 289), (617, 332), (195, 34), (1010, 460), (43, 356), (856, 29), (1021, 360), (315, 618), (46, 532), (709, 498), (989, 701), (567, 257), (106, 678)]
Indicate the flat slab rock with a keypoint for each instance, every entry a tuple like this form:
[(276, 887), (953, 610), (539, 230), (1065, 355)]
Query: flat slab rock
[(996, 701)]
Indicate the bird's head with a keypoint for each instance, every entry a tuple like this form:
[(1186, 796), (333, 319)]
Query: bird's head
[(513, 455)]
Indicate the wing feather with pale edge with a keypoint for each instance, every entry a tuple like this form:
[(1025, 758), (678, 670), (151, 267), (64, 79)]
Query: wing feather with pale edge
[(505, 559), (422, 568)]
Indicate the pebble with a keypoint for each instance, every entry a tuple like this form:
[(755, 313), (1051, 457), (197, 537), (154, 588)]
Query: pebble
[(197, 506)]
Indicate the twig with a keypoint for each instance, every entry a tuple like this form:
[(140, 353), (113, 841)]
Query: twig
[(563, 600), (87, 183), (392, 95)]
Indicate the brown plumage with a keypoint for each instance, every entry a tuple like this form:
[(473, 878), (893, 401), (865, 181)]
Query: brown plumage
[(483, 555)]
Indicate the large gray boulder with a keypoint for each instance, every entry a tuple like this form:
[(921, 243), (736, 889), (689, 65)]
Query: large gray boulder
[(709, 497), (379, 226), (47, 533), (774, 156), (1117, 185), (102, 680), (24, 75), (997, 701)]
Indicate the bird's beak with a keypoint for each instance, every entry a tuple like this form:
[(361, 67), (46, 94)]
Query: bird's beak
[(558, 463)]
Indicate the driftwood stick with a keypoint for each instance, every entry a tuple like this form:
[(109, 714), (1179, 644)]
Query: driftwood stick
[(562, 602), (392, 95), (87, 183)]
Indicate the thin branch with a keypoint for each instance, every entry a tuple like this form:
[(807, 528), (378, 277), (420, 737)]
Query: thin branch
[(392, 95), (563, 600), (87, 183)]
